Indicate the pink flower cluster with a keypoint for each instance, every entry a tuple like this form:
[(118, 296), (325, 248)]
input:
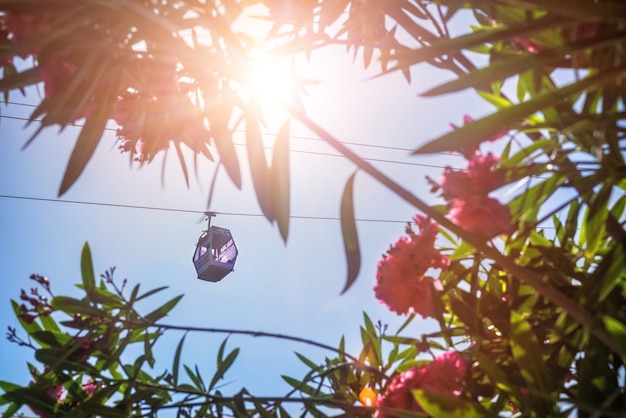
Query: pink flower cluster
[(28, 26), (401, 280), (445, 375), (153, 105), (467, 192), (155, 111)]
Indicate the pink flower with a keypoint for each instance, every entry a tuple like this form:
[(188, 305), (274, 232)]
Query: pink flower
[(481, 215), (482, 176), (401, 281), (31, 23), (398, 394), (56, 72), (90, 387), (4, 41), (528, 44), (455, 184), (52, 392), (478, 179), (445, 375)]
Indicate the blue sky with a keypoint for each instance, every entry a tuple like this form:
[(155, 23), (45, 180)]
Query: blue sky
[(292, 289)]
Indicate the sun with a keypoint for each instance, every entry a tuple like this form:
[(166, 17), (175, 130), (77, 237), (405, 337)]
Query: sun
[(269, 79)]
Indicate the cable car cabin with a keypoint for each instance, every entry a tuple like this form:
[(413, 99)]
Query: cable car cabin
[(215, 254)]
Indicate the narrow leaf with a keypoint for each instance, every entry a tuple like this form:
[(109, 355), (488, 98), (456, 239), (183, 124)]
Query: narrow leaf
[(475, 132), (176, 365), (219, 118), (183, 165), (443, 406), (280, 180), (349, 233), (618, 330), (86, 268), (163, 310), (88, 139), (526, 350), (258, 166), (74, 306)]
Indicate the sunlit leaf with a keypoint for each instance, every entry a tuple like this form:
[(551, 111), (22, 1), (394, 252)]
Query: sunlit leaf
[(183, 164), (487, 34), (88, 139), (258, 166), (280, 180), (500, 70), (618, 330), (442, 406), (527, 351), (595, 218), (223, 142)]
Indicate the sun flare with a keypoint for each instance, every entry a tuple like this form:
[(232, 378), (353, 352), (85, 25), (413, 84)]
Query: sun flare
[(270, 79)]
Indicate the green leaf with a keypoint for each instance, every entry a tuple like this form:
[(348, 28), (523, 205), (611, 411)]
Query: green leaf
[(496, 375), (349, 233), (486, 35), (49, 324), (526, 206), (104, 297), (151, 292), (280, 180), (442, 406), (50, 339), (595, 219), (308, 362), (223, 364), (32, 397), (617, 329), (510, 118), (196, 378), (161, 312), (73, 306), (527, 350), (29, 327), (57, 358), (86, 268), (546, 144), (301, 386), (176, 365), (462, 251)]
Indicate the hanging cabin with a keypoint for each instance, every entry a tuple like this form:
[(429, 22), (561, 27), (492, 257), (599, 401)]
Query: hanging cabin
[(215, 253)]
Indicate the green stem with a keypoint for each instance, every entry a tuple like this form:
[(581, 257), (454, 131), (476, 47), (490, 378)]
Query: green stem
[(360, 364)]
